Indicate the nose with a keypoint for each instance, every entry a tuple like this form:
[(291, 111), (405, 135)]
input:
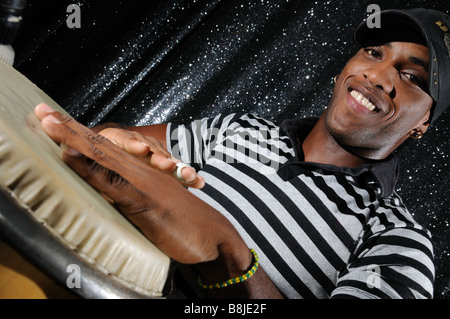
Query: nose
[(382, 76)]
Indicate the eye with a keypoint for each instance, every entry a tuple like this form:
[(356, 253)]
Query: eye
[(412, 78), (376, 53), (416, 80)]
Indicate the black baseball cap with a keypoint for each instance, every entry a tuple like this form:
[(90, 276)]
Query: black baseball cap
[(434, 27)]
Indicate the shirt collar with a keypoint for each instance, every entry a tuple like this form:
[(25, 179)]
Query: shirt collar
[(384, 172)]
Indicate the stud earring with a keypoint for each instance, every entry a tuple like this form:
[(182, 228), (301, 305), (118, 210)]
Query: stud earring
[(336, 77), (416, 134)]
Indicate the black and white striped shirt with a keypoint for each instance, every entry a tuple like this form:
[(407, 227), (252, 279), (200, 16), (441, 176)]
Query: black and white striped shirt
[(321, 231)]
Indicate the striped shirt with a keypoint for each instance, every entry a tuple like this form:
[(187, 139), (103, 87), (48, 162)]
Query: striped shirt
[(321, 231)]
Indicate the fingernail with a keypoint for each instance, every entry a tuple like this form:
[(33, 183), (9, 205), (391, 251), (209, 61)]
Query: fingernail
[(73, 152), (53, 119), (44, 107), (146, 145), (70, 151)]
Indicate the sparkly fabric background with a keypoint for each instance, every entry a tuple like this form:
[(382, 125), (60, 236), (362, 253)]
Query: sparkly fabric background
[(143, 62)]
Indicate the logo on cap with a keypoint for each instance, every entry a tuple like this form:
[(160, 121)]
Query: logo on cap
[(442, 26)]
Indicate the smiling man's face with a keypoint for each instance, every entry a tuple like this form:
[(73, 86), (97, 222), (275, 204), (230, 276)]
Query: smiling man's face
[(380, 97)]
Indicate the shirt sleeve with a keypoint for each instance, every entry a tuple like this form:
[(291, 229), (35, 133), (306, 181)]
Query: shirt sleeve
[(396, 263)]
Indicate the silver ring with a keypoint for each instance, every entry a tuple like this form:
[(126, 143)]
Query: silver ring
[(177, 172)]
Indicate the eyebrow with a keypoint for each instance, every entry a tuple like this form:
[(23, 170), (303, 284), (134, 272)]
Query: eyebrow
[(418, 61)]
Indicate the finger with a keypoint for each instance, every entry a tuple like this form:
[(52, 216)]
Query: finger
[(125, 140), (64, 129), (109, 184), (149, 149), (42, 110), (155, 155)]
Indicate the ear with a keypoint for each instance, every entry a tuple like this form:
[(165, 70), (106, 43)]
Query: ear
[(424, 123)]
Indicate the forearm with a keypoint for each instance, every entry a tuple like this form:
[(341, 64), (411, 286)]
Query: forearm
[(231, 257), (221, 253)]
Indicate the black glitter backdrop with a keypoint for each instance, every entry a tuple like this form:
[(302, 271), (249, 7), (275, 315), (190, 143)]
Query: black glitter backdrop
[(143, 62)]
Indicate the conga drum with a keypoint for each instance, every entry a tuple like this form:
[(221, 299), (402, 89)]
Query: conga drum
[(59, 222)]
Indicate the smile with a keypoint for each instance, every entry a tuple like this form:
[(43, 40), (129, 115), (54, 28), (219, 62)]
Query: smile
[(363, 100)]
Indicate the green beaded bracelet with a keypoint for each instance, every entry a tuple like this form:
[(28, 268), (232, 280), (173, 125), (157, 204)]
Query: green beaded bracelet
[(232, 281)]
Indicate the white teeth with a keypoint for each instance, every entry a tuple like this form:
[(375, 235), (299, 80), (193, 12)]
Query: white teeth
[(363, 100)]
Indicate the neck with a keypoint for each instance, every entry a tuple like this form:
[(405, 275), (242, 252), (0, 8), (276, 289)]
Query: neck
[(320, 147)]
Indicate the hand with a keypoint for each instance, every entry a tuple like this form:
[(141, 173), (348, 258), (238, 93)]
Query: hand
[(150, 151), (184, 227)]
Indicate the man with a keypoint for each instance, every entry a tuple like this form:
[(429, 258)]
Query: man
[(314, 199)]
